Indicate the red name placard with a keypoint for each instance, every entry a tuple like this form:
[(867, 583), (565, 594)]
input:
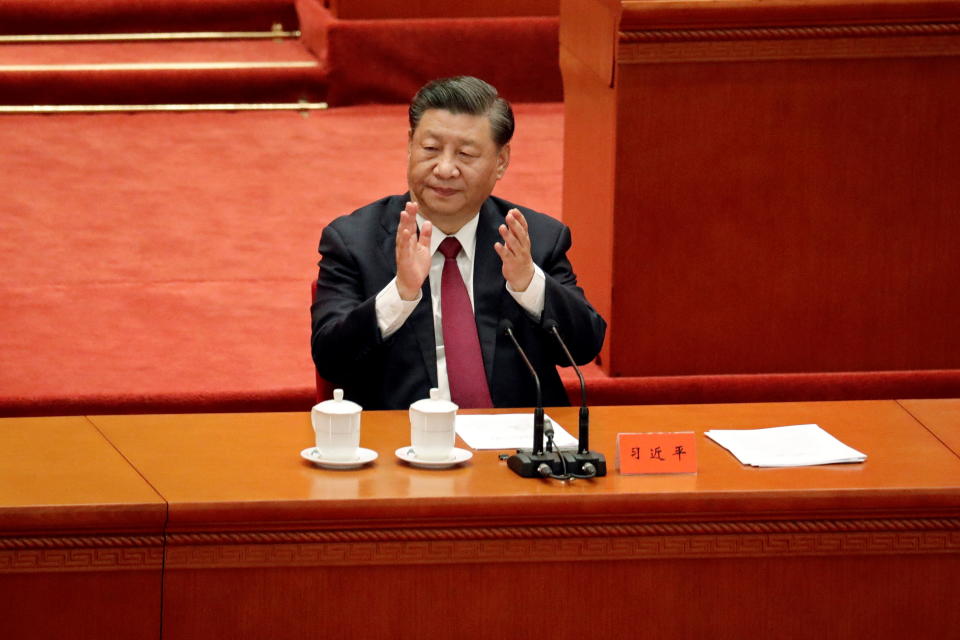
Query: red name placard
[(657, 452)]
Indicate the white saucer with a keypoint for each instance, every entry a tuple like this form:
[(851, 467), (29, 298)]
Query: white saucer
[(456, 457), (363, 457)]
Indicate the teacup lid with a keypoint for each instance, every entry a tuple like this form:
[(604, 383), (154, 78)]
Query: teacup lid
[(434, 404), (338, 405)]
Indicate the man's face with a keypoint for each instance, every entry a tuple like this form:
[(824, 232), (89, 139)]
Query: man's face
[(453, 165)]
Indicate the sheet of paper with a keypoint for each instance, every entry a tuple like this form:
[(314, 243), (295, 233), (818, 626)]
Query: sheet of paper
[(798, 445), (506, 431)]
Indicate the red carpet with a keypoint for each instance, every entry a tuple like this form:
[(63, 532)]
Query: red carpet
[(372, 60), (229, 71), (395, 48), (163, 261), (344, 62), (177, 51), (127, 16)]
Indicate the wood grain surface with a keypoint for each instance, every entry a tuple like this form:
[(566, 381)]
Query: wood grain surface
[(941, 416), (223, 470), (259, 539), (778, 201), (261, 542), (81, 535)]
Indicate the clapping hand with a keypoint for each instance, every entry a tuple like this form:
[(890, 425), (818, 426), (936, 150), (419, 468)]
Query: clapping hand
[(413, 253), (514, 251)]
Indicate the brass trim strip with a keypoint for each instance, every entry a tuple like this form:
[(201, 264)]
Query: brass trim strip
[(122, 108), (149, 37), (158, 66)]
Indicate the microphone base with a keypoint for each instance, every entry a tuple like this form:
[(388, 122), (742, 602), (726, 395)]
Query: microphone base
[(526, 464), (563, 464), (576, 462)]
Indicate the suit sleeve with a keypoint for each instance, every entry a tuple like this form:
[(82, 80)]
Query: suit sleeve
[(344, 321), (579, 324)]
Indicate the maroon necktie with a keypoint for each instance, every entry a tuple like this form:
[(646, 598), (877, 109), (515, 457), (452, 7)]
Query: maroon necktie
[(468, 381)]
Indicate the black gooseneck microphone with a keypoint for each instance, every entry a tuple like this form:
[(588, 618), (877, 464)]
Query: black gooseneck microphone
[(583, 463), (533, 462), (584, 425), (507, 327)]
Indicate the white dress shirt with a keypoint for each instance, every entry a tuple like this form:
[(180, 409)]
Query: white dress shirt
[(393, 311)]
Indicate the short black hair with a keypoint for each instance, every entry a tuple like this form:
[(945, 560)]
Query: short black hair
[(465, 94)]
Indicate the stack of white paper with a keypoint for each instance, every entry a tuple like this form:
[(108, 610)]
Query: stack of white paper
[(505, 431), (795, 446)]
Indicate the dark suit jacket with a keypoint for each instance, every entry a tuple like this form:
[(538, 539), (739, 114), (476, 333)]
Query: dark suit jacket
[(358, 260)]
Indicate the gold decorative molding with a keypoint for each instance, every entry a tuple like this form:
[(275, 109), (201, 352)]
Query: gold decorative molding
[(302, 106), (275, 34), (567, 543), (776, 43), (117, 553)]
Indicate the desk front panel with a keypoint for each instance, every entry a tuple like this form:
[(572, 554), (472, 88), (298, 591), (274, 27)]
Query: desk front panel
[(260, 539), (80, 535)]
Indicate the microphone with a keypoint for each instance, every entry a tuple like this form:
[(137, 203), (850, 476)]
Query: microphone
[(533, 462), (584, 463), (507, 327), (584, 425)]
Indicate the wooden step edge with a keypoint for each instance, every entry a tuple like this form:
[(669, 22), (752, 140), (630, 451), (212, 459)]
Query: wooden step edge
[(158, 66), (302, 105), (276, 34)]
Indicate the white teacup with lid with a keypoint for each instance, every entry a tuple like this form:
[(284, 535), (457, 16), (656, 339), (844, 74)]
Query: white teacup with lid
[(336, 424), (433, 427)]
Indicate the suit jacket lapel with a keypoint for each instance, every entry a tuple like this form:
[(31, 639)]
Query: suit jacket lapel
[(420, 321), (488, 284)]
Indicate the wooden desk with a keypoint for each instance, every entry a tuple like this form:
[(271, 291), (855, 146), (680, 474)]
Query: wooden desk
[(940, 416), (80, 532), (259, 541)]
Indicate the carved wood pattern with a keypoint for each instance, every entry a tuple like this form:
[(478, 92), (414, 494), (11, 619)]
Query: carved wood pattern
[(81, 553), (551, 544), (791, 33), (491, 544), (63, 542), (581, 531), (778, 43)]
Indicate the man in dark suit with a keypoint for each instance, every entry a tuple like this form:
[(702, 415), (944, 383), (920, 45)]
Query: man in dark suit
[(392, 316)]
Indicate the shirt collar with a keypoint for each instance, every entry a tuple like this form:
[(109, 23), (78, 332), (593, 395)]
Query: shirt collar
[(467, 235)]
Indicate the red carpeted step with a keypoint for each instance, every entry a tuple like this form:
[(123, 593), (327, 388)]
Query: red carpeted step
[(380, 9), (154, 52), (136, 16), (387, 60), (159, 72), (373, 60)]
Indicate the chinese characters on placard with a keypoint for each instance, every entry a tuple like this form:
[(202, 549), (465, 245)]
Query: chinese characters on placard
[(656, 453)]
